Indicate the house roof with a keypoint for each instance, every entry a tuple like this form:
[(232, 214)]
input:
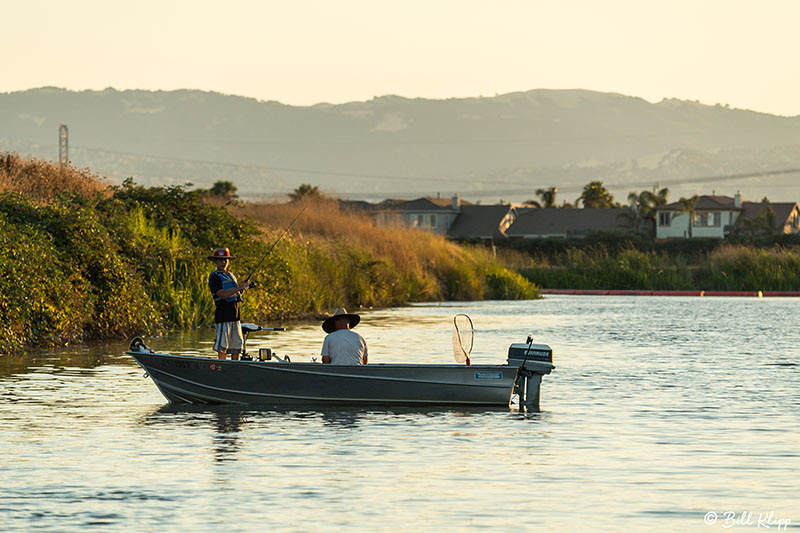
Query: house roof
[(705, 202), (479, 221), (565, 221), (357, 205), (426, 203), (782, 211)]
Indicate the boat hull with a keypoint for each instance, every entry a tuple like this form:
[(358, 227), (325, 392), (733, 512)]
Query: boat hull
[(196, 380)]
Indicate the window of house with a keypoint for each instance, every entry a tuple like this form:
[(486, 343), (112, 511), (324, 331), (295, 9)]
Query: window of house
[(664, 219), (700, 220), (419, 221), (433, 221), (706, 220)]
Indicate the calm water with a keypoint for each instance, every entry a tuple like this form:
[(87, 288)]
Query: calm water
[(660, 411)]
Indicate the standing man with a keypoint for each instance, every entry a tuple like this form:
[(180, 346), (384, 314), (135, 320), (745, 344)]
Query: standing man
[(227, 297), (342, 346)]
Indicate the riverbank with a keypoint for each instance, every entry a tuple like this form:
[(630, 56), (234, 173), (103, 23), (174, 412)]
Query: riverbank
[(632, 292), (84, 260), (709, 267)]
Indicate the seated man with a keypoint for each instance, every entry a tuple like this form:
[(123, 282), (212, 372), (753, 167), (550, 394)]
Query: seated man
[(342, 346)]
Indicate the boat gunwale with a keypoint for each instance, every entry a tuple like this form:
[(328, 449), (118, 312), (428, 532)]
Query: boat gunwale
[(284, 364)]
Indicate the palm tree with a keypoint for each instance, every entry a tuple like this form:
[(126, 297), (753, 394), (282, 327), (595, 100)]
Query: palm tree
[(647, 201), (642, 213), (596, 195), (548, 196), (688, 205), (633, 219)]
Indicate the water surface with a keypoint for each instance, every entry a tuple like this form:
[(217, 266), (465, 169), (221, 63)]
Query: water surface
[(660, 411)]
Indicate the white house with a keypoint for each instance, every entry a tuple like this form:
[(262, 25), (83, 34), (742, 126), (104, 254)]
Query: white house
[(715, 217)]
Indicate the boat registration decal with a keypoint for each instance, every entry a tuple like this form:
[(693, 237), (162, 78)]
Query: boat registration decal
[(216, 367), (482, 374)]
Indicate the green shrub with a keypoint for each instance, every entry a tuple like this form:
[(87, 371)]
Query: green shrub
[(502, 284)]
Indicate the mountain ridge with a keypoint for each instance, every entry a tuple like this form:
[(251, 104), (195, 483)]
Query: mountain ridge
[(521, 140)]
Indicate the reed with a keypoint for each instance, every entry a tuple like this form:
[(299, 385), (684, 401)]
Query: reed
[(599, 268), (43, 180), (738, 267), (726, 267)]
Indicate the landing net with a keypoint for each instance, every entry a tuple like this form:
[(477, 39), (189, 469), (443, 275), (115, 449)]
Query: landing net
[(463, 335)]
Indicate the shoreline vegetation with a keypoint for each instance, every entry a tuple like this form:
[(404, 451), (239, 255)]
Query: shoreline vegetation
[(81, 259), (614, 262)]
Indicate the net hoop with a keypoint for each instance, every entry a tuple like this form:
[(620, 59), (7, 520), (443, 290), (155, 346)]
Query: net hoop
[(463, 337)]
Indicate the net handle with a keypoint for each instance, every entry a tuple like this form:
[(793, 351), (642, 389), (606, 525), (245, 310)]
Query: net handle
[(458, 332)]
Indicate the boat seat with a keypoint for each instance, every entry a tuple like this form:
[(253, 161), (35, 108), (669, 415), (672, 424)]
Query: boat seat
[(247, 327)]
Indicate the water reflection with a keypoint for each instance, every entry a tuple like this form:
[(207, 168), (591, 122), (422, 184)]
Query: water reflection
[(342, 419), (226, 438)]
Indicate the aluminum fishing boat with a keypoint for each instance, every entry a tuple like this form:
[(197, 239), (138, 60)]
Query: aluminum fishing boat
[(275, 381)]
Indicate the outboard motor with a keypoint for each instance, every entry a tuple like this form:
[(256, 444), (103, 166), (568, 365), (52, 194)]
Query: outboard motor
[(532, 362)]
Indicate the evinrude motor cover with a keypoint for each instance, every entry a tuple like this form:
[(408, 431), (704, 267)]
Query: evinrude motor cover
[(519, 352)]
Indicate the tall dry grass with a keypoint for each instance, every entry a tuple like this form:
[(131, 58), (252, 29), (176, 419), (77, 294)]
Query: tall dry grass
[(42, 180), (345, 255)]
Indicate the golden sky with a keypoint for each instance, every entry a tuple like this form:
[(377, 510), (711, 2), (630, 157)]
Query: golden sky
[(304, 52)]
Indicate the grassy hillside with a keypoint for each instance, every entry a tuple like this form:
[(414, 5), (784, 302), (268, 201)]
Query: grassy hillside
[(80, 259)]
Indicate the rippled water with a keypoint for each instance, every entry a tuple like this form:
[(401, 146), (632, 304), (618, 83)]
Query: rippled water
[(660, 410)]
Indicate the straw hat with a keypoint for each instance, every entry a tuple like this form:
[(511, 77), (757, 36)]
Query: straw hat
[(329, 325), (221, 253)]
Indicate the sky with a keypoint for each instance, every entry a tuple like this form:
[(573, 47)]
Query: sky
[(302, 52)]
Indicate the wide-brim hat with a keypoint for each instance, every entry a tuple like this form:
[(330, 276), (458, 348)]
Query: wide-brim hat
[(221, 253), (329, 325)]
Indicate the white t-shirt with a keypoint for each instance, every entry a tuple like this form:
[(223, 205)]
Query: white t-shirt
[(345, 347)]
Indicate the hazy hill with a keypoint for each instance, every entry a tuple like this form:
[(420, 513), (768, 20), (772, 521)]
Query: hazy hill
[(484, 148)]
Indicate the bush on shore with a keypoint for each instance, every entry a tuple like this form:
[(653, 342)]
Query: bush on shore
[(81, 259)]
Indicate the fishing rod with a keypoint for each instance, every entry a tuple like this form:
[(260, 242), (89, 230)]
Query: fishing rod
[(273, 245)]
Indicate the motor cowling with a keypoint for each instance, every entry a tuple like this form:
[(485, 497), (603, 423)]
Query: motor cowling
[(521, 352)]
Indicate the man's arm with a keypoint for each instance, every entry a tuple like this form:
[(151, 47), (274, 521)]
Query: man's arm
[(326, 352), (227, 293)]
